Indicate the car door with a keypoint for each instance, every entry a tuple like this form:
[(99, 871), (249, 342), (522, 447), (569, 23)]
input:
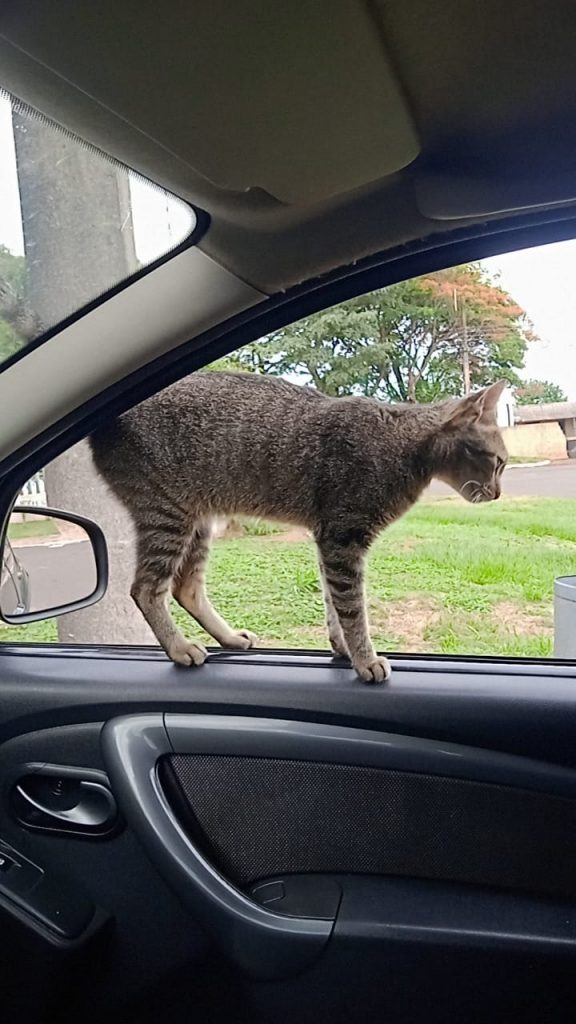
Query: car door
[(267, 839), (287, 843)]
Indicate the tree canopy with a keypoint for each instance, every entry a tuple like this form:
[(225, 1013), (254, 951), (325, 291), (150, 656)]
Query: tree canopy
[(13, 278), (538, 392), (406, 342)]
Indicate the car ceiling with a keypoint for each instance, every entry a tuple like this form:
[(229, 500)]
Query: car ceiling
[(314, 134)]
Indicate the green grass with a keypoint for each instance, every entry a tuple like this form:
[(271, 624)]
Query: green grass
[(32, 528), (448, 578), (523, 460), (253, 527)]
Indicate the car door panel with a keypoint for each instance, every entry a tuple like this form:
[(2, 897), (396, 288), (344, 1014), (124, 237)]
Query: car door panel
[(144, 933), (428, 822)]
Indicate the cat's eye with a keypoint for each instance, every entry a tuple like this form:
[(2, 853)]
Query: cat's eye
[(477, 453)]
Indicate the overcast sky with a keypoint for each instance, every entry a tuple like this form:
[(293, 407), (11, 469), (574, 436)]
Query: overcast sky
[(541, 280)]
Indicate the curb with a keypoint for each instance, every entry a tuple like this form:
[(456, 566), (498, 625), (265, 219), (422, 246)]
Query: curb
[(527, 465)]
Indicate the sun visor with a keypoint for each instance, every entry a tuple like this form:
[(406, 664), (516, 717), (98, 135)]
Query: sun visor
[(446, 197), (297, 99)]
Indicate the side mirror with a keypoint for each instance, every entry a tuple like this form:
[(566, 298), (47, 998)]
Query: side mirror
[(51, 562)]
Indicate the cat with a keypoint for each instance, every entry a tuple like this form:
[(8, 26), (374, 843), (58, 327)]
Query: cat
[(217, 444)]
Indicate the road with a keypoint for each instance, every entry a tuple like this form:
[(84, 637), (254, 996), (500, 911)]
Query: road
[(59, 574)]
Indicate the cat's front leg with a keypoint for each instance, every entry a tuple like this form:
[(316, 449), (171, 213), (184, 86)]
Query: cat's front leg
[(342, 567)]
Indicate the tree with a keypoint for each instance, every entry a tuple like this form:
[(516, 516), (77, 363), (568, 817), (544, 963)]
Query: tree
[(538, 392), (226, 364), (78, 242), (12, 299), (413, 341)]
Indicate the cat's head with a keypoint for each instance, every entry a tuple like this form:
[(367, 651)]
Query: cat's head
[(471, 454)]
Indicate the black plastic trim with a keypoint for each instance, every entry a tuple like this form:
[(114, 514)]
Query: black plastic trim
[(389, 910), (424, 912), (44, 900), (273, 657), (264, 944), (522, 709)]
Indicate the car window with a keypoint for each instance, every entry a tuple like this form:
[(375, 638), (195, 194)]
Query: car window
[(449, 577), (73, 225)]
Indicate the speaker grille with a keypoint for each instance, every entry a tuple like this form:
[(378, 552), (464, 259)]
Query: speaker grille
[(258, 817)]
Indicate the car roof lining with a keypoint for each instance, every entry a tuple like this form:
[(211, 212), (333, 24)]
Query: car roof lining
[(452, 111)]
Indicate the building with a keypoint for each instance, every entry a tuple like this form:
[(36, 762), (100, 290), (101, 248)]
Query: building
[(542, 431)]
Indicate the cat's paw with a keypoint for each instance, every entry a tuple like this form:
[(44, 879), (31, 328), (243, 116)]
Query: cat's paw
[(187, 652), (376, 671), (241, 641)]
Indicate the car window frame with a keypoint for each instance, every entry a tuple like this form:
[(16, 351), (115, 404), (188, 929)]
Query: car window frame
[(462, 246)]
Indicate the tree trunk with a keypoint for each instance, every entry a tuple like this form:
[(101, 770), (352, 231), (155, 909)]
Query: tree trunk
[(79, 242)]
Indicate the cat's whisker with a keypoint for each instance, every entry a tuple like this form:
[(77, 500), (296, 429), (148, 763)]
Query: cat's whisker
[(475, 483)]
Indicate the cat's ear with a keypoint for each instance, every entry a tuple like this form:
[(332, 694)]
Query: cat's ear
[(492, 395), (481, 405)]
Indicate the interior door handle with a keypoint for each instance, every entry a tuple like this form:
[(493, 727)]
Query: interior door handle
[(263, 943), (61, 799)]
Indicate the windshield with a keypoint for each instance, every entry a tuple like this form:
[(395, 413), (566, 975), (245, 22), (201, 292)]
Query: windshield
[(73, 225)]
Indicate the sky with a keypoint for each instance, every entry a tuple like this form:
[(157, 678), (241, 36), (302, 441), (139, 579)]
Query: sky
[(541, 280)]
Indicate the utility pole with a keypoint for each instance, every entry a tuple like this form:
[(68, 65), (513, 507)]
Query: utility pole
[(464, 351), (76, 204)]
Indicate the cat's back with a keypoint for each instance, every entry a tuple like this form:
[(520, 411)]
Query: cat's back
[(240, 401), (206, 410), (243, 391)]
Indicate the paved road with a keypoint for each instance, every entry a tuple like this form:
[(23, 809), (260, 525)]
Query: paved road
[(59, 574), (557, 480)]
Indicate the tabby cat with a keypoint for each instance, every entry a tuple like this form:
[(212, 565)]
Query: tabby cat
[(217, 444)]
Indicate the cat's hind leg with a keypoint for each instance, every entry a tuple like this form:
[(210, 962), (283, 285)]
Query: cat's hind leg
[(189, 589), (335, 633), (343, 569), (160, 550)]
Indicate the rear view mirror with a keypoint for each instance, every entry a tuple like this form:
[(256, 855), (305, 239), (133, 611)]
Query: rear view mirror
[(52, 562)]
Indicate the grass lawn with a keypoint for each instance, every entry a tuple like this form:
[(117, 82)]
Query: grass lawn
[(32, 528), (524, 460), (448, 578)]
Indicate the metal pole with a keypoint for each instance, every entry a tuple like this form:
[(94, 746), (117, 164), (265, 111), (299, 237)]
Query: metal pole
[(464, 343), (465, 353)]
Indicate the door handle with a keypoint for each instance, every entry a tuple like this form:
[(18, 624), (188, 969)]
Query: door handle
[(63, 799)]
